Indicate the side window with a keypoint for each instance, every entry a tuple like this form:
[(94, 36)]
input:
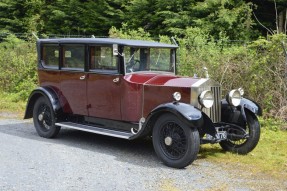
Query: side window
[(73, 57), (50, 56), (102, 58)]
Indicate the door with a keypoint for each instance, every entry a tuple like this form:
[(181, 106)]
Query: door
[(104, 96), (103, 84), (73, 79)]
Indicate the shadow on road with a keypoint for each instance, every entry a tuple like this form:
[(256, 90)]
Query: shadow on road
[(137, 152)]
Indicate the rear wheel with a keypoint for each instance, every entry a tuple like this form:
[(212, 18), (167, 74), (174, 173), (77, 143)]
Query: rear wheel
[(44, 119), (244, 146), (175, 143)]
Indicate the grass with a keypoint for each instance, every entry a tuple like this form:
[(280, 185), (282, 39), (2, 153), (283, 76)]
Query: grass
[(10, 107), (269, 157)]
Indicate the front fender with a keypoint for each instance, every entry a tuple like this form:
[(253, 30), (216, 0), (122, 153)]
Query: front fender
[(237, 114), (38, 92), (251, 106), (184, 111)]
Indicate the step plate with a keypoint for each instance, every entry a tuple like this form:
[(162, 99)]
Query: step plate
[(97, 130)]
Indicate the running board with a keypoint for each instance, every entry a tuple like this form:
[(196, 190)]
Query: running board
[(97, 130)]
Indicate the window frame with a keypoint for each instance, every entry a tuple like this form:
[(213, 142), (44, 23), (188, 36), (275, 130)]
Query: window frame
[(103, 71), (56, 67), (62, 53)]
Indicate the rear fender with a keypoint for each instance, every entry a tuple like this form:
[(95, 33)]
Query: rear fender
[(39, 92)]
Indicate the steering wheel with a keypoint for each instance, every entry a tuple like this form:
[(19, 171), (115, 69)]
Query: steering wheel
[(130, 66)]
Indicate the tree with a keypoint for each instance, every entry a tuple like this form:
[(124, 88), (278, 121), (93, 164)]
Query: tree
[(216, 17), (21, 16)]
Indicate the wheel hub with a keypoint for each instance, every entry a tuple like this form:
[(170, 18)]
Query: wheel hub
[(168, 141), (41, 116)]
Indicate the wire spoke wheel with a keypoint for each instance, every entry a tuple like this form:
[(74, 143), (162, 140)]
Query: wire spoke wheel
[(175, 143), (44, 118), (245, 145), (173, 140)]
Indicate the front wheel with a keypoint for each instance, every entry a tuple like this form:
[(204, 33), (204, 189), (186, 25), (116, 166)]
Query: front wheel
[(44, 118), (244, 146), (175, 143)]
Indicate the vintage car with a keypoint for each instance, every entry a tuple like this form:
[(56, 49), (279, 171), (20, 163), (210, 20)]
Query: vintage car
[(129, 89)]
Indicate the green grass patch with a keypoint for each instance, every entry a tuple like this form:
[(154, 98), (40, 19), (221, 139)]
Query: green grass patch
[(269, 157), (10, 106)]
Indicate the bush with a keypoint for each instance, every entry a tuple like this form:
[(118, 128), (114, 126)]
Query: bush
[(18, 75)]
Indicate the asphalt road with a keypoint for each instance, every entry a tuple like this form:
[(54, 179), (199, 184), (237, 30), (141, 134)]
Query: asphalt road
[(78, 160)]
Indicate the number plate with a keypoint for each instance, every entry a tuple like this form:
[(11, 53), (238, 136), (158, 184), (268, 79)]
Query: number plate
[(221, 135)]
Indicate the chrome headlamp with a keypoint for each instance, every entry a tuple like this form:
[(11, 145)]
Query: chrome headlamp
[(234, 97), (206, 99), (176, 96)]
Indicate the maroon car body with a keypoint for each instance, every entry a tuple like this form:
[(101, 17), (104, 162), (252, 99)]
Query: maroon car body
[(129, 89)]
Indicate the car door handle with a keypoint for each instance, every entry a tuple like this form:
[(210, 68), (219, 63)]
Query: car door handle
[(82, 77), (116, 80)]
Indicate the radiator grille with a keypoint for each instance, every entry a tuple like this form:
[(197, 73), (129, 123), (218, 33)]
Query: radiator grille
[(214, 113), (216, 108)]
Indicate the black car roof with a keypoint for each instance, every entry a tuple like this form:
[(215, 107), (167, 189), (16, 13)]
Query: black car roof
[(108, 41)]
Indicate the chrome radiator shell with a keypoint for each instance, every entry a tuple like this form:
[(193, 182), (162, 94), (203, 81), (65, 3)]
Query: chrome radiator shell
[(214, 113)]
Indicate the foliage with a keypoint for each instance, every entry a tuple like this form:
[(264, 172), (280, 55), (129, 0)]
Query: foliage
[(172, 17), (21, 16), (268, 78), (10, 106), (18, 67), (126, 33), (158, 17), (273, 124), (255, 66)]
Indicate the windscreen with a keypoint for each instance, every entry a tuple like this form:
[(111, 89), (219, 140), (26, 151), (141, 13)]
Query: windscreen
[(149, 59)]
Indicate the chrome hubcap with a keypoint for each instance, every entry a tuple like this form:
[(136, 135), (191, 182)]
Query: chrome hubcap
[(168, 141), (41, 116)]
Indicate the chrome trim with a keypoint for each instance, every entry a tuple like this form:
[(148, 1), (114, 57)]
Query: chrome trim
[(199, 82), (207, 84), (97, 130), (141, 122)]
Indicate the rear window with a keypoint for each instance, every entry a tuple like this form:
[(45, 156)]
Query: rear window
[(50, 56)]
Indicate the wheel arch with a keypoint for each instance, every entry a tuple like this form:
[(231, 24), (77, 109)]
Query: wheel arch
[(190, 115), (46, 92), (234, 114)]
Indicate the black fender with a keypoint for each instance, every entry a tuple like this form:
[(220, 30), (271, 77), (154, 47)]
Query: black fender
[(251, 106), (47, 92), (185, 112), (237, 114), (189, 114)]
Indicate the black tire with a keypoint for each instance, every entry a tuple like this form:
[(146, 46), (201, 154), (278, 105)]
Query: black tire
[(174, 142), (44, 118), (244, 146)]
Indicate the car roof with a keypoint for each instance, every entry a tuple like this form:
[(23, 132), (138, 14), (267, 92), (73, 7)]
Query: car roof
[(108, 41)]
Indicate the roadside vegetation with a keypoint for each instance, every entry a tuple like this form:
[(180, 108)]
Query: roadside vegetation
[(269, 158), (217, 35)]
